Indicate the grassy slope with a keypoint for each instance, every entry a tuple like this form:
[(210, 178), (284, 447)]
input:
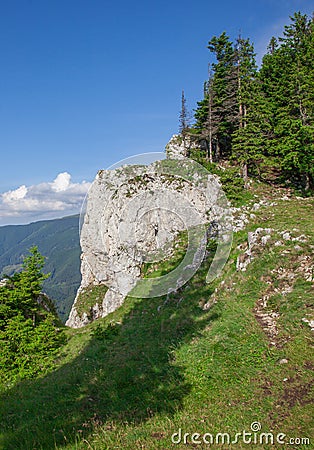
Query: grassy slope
[(165, 365)]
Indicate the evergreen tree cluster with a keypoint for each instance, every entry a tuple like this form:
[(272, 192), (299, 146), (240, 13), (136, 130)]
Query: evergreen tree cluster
[(261, 118), (29, 333)]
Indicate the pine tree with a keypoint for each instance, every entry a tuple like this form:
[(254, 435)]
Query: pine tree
[(20, 294), (29, 333), (184, 118), (273, 44), (247, 138), (290, 98), (224, 91), (298, 146), (201, 112), (184, 123)]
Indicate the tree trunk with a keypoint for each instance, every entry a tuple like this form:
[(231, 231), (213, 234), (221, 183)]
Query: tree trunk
[(186, 151), (210, 150), (217, 151), (244, 174), (210, 147), (306, 182)]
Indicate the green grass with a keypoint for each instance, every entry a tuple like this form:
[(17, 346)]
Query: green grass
[(132, 379), (88, 298), (160, 268)]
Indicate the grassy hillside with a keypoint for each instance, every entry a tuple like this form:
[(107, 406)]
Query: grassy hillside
[(58, 240), (209, 359)]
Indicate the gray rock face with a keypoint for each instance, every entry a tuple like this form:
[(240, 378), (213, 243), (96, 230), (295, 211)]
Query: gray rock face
[(132, 216), (179, 146)]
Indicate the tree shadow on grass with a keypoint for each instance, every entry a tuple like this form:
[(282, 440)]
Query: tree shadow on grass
[(125, 373)]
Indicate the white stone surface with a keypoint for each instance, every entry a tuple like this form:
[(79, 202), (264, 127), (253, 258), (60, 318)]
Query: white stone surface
[(132, 215), (179, 146)]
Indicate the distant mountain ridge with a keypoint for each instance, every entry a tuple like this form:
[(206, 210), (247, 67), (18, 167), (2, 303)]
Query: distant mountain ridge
[(58, 241)]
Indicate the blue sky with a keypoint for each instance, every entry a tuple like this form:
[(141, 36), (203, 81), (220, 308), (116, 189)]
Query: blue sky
[(87, 83)]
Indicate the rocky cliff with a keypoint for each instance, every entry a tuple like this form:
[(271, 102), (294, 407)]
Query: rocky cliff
[(132, 216)]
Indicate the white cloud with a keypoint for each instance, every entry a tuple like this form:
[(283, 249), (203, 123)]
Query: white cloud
[(61, 182), (17, 194), (46, 200)]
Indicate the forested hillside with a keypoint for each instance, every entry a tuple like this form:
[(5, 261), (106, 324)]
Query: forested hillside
[(58, 241)]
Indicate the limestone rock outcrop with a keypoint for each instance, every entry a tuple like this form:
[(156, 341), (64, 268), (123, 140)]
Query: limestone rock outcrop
[(132, 216)]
